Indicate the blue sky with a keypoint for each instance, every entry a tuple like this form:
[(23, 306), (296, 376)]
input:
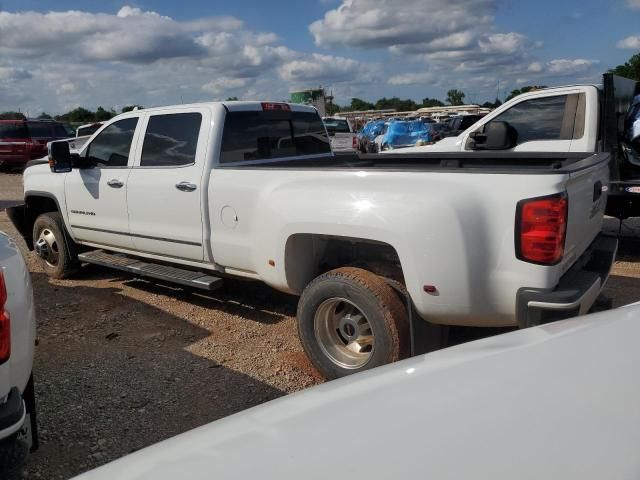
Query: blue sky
[(55, 55)]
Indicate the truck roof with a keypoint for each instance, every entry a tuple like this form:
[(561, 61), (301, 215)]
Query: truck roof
[(233, 106)]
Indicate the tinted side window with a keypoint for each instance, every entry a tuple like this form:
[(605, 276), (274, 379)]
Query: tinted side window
[(171, 140), (257, 135), (111, 147), (538, 119), (60, 131), (39, 129), (13, 130)]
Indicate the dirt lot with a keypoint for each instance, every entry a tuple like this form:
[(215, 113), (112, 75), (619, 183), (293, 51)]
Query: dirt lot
[(123, 363)]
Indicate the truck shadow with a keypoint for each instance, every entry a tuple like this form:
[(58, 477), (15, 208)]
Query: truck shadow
[(114, 374), (252, 300)]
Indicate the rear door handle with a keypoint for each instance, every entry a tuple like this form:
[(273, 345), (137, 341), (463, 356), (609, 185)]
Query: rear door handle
[(186, 186), (115, 183)]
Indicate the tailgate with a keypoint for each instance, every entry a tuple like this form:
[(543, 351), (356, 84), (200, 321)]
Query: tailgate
[(342, 141), (587, 192)]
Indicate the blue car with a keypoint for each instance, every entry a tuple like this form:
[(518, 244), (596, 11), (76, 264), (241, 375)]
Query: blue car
[(410, 133)]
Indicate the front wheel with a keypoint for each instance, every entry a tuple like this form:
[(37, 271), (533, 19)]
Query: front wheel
[(350, 320), (55, 250)]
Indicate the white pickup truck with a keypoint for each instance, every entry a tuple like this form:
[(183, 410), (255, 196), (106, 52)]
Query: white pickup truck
[(375, 245), (575, 118), (341, 134)]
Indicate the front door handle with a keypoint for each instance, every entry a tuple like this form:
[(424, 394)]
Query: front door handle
[(115, 183), (186, 186)]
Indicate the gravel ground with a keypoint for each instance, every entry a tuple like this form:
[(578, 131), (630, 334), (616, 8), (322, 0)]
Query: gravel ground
[(123, 363)]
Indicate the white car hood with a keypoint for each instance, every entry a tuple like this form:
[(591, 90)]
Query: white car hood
[(560, 401)]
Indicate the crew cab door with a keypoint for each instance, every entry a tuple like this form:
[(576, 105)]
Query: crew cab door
[(165, 185), (97, 196), (564, 120)]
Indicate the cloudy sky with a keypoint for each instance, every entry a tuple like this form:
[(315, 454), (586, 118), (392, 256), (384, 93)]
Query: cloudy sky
[(56, 55)]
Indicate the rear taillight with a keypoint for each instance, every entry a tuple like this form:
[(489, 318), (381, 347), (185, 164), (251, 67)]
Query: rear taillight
[(541, 227), (5, 330), (354, 143)]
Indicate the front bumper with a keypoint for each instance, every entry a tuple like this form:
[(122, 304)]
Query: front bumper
[(577, 290), (12, 414)]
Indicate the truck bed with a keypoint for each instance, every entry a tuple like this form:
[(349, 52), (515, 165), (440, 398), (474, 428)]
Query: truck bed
[(480, 162)]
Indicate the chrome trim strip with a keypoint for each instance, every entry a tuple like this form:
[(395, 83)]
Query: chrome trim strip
[(136, 235)]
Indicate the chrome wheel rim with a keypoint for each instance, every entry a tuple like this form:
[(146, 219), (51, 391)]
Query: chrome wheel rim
[(47, 247), (343, 333)]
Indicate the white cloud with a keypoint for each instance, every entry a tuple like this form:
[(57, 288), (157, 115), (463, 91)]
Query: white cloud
[(421, 78), (69, 58), (326, 69), (633, 3), (565, 66), (222, 84), (632, 42)]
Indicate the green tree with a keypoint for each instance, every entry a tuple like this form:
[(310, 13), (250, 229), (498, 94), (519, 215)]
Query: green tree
[(332, 108), (431, 102), (12, 116), (494, 104), (396, 104), (128, 108), (357, 105), (44, 116), (630, 69), (77, 115), (232, 99), (520, 91), (103, 115), (455, 97)]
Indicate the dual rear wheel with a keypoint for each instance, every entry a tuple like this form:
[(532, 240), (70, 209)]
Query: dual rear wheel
[(350, 320)]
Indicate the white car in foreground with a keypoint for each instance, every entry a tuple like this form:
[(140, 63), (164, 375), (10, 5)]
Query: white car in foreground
[(17, 339), (558, 401)]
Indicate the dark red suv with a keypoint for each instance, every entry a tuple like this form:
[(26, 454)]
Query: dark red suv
[(24, 140)]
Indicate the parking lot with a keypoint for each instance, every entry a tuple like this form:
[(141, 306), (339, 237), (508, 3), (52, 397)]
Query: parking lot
[(122, 363)]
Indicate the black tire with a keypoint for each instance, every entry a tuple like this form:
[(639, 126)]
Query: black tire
[(65, 261), (386, 318), (13, 452)]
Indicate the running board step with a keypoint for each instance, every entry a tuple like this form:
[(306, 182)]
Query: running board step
[(119, 261)]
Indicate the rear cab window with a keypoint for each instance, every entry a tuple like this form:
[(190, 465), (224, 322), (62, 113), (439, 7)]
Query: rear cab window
[(336, 125), (263, 135)]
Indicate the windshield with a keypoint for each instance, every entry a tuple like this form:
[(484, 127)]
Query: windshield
[(13, 130), (336, 125)]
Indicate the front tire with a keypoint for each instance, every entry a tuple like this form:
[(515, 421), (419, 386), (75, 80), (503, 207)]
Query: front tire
[(53, 246), (350, 320)]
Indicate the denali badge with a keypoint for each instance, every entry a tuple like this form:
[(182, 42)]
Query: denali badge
[(82, 212)]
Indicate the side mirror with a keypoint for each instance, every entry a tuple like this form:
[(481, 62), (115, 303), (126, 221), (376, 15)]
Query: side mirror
[(496, 136), (60, 159)]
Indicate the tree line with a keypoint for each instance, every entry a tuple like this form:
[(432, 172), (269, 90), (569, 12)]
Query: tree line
[(77, 115)]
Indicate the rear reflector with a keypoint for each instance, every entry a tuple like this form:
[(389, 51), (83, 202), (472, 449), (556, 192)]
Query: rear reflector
[(5, 330), (541, 228), (276, 106)]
